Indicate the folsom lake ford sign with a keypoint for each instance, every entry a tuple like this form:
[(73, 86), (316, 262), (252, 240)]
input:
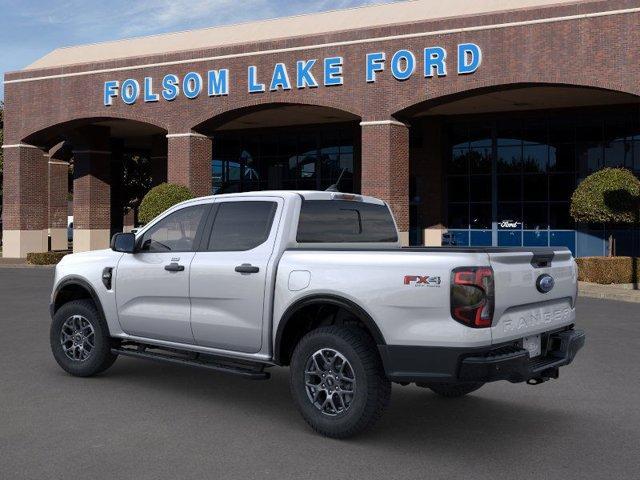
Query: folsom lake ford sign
[(309, 73)]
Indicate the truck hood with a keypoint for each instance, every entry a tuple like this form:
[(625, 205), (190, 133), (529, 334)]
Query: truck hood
[(85, 258)]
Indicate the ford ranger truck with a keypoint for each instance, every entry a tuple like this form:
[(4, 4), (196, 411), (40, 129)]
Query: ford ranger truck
[(318, 282)]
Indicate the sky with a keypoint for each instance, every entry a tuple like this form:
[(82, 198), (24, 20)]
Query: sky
[(30, 29)]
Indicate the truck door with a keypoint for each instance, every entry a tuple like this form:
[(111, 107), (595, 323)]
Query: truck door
[(152, 285), (229, 274)]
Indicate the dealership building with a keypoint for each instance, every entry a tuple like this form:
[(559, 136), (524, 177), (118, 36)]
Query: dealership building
[(475, 119)]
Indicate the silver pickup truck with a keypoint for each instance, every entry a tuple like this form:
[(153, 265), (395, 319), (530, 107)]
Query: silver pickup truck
[(319, 282)]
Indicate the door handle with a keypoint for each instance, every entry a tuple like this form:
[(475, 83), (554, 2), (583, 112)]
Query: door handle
[(247, 268), (174, 267)]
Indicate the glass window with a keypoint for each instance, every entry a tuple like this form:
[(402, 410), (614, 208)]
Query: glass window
[(458, 188), (459, 161), (240, 226), (480, 159), (480, 190), (535, 216), (174, 233), (535, 188), (340, 221), (561, 187), (509, 159), (480, 216), (458, 215), (535, 158), (559, 216), (509, 188), (510, 216)]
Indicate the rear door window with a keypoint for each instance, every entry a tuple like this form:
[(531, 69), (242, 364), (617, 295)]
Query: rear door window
[(341, 221), (241, 226)]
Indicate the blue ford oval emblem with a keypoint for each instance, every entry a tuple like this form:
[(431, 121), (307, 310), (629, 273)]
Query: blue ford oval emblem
[(545, 283)]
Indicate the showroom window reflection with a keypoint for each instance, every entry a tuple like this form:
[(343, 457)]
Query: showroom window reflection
[(285, 159), (522, 171)]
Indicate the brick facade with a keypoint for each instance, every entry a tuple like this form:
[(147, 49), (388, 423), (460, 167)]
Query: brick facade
[(582, 44)]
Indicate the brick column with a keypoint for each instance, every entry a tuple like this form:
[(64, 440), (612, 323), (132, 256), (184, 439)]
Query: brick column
[(91, 190), (385, 168), (158, 160), (189, 162), (24, 201), (58, 190)]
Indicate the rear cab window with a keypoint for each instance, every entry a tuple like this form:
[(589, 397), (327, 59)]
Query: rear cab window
[(343, 221)]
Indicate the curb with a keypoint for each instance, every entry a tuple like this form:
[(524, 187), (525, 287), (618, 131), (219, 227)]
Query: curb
[(608, 292)]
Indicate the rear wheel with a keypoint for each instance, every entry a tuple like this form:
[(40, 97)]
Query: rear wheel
[(80, 339), (338, 382), (454, 390)]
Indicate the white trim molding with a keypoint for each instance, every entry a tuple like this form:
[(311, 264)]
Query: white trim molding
[(58, 162), (21, 145), (383, 122), (477, 28), (189, 134)]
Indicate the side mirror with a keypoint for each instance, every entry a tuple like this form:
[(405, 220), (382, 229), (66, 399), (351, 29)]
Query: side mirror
[(124, 242)]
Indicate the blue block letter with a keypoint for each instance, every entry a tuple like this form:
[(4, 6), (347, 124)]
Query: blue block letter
[(400, 71), (469, 58), (254, 86), (170, 87), (218, 82), (192, 85), (375, 63), (304, 77), (333, 71), (130, 91), (280, 78), (149, 96), (435, 57), (110, 92)]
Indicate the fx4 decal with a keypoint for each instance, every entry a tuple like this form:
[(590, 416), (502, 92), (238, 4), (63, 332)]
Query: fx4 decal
[(422, 280)]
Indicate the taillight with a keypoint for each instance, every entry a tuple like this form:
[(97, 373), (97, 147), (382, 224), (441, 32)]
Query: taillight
[(472, 296)]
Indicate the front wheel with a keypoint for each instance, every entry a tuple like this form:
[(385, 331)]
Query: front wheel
[(80, 339), (338, 382)]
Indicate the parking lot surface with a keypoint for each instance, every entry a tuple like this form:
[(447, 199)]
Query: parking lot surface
[(145, 420)]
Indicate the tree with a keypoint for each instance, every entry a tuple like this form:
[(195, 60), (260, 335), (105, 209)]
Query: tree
[(136, 182), (160, 198), (608, 196)]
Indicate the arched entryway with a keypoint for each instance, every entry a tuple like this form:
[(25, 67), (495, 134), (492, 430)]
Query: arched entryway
[(100, 166), (498, 166), (284, 147)]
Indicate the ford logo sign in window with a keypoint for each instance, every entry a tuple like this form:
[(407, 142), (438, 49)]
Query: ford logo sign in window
[(545, 283)]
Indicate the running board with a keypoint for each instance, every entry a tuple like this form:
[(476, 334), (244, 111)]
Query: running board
[(249, 371)]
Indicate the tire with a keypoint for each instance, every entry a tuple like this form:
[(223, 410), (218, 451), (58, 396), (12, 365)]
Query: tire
[(455, 390), (90, 357), (356, 405)]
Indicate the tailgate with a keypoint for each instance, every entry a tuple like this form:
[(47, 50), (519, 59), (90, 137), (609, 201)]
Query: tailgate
[(521, 307)]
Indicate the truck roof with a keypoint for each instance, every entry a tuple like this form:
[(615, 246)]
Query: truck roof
[(306, 194)]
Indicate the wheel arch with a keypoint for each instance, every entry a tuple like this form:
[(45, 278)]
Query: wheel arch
[(74, 288), (288, 321)]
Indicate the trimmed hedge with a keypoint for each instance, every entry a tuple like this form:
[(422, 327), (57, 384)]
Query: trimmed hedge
[(46, 258), (161, 198), (607, 270), (609, 195)]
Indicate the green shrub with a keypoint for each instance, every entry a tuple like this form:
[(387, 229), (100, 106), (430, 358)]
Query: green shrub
[(606, 270), (609, 195), (45, 258), (160, 198)]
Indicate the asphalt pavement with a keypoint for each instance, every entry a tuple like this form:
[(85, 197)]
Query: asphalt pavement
[(143, 420)]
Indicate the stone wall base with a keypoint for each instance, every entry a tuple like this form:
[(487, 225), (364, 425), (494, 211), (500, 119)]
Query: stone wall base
[(17, 243)]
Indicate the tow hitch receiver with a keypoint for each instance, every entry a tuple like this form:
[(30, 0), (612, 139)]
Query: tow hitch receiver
[(546, 375)]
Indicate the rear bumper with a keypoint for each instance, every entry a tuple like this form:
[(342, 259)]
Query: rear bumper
[(407, 364)]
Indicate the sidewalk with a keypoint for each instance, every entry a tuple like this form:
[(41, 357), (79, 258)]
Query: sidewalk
[(622, 292)]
